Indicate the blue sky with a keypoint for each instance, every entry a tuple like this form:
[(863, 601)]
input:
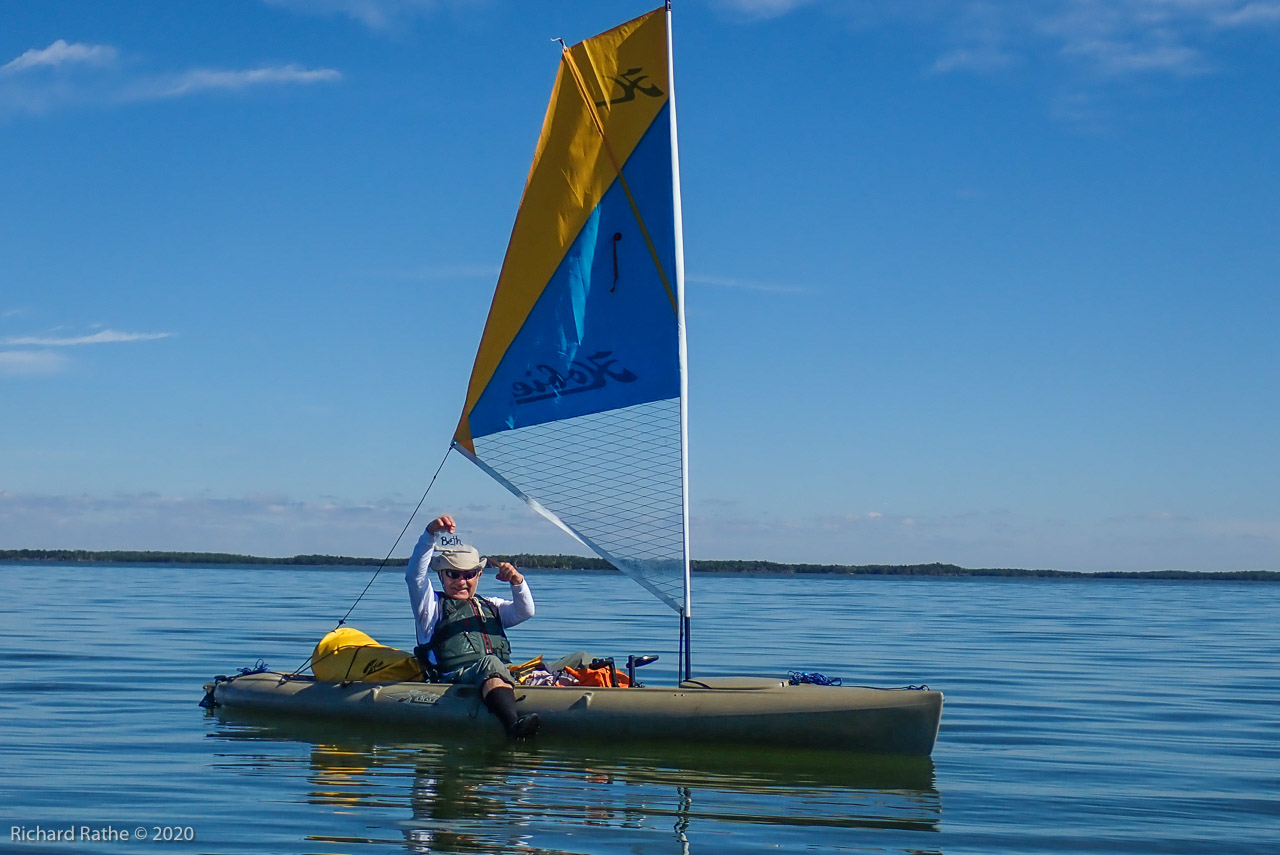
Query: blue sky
[(975, 282)]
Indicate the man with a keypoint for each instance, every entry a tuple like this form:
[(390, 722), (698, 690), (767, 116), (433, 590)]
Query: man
[(461, 636)]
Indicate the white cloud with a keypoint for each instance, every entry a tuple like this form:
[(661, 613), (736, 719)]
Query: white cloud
[(102, 337), (267, 525), (374, 14), (270, 525), (26, 362), (31, 362), (996, 538), (1117, 57), (981, 60), (1115, 37), (1250, 14), (763, 9), (278, 525), (1151, 516), (1265, 531), (61, 53), (1079, 108), (25, 92), (210, 79)]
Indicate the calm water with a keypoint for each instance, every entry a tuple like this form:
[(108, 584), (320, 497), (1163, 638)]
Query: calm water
[(1099, 716)]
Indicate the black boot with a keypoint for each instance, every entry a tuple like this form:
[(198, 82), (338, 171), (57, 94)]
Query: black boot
[(502, 703)]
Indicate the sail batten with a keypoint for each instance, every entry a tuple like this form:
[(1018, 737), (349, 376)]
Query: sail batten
[(577, 398)]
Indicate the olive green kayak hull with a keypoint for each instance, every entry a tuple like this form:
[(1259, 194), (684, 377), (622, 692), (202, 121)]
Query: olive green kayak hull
[(741, 710)]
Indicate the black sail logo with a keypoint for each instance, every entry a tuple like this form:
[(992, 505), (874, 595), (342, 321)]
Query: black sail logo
[(583, 375), (628, 83)]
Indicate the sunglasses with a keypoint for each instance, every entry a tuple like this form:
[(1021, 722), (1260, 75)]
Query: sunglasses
[(462, 574)]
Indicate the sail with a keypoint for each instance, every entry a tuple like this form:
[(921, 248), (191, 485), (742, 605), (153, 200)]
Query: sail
[(577, 397)]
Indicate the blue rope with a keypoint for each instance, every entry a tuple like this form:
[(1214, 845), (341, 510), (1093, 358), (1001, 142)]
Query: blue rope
[(209, 703), (798, 677)]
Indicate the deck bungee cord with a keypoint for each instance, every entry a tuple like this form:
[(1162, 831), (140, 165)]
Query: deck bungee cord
[(208, 701), (817, 679)]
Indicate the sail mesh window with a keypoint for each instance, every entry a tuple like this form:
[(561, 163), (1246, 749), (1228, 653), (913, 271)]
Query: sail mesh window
[(613, 479)]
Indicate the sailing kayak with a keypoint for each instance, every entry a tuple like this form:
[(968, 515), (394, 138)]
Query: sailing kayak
[(736, 710)]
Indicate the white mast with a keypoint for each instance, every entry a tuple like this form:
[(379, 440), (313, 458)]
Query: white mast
[(687, 612)]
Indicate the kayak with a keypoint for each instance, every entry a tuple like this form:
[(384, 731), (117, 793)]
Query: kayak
[(734, 710)]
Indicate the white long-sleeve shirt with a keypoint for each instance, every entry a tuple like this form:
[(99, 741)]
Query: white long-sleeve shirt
[(422, 596)]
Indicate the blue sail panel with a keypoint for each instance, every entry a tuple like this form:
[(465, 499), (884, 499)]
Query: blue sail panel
[(603, 334)]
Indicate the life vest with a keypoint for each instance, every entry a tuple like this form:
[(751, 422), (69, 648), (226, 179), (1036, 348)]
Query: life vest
[(467, 631)]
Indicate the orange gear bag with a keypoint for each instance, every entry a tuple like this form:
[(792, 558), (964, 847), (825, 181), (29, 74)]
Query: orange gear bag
[(602, 677)]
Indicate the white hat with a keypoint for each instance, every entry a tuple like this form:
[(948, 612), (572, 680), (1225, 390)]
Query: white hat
[(459, 557)]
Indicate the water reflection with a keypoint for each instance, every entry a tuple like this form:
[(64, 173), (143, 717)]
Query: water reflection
[(454, 796)]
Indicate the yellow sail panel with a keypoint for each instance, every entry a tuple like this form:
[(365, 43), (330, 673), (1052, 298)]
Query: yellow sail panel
[(585, 141)]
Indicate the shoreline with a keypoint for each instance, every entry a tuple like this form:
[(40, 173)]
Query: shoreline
[(582, 563)]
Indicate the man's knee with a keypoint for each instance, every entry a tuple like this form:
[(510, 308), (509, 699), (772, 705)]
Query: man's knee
[(480, 672), (493, 668)]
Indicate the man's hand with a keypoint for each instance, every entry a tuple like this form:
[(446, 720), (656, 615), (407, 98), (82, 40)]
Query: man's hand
[(509, 573), (442, 523)]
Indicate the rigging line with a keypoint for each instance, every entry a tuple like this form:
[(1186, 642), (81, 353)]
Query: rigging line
[(589, 103), (383, 564), (408, 523)]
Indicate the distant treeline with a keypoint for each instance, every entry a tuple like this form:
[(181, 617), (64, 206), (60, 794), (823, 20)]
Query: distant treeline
[(579, 562), (953, 570)]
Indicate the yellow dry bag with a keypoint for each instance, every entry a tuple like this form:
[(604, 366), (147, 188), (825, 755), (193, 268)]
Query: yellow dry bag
[(348, 655)]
